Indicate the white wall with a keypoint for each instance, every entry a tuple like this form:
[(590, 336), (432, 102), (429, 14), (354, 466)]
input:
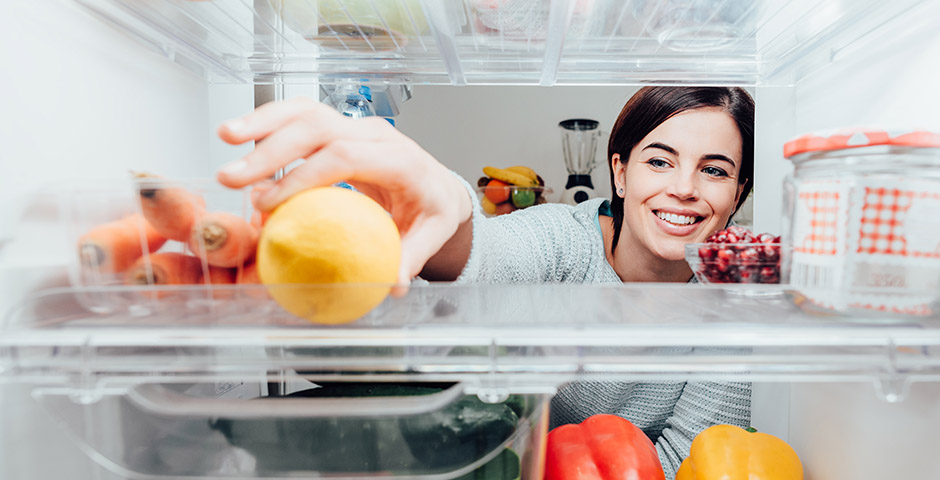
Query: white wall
[(468, 128), (80, 100)]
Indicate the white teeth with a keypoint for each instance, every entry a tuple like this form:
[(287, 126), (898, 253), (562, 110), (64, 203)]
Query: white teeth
[(676, 219)]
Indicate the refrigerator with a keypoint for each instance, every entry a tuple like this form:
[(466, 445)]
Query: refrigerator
[(132, 389)]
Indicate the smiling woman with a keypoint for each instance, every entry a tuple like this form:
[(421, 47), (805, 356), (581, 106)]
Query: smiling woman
[(681, 161)]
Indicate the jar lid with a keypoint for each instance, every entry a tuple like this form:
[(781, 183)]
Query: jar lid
[(860, 137)]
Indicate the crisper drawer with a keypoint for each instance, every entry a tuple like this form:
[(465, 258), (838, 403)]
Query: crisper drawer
[(328, 430)]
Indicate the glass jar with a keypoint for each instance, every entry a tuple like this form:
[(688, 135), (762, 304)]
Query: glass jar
[(862, 215)]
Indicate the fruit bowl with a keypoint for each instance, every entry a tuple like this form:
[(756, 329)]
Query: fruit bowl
[(716, 262), (511, 198)]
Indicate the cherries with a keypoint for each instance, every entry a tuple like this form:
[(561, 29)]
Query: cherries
[(737, 255)]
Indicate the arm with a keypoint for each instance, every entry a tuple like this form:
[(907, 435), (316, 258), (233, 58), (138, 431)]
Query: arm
[(426, 201), (701, 405)]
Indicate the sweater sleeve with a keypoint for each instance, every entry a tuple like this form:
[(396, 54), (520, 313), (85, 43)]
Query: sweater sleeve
[(701, 405), (547, 243)]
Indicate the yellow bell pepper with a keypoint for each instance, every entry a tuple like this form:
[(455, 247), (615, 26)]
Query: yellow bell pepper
[(726, 452)]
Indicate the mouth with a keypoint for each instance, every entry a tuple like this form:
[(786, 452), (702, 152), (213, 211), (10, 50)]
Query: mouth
[(678, 220)]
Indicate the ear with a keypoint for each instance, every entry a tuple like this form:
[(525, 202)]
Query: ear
[(619, 172), (737, 194)]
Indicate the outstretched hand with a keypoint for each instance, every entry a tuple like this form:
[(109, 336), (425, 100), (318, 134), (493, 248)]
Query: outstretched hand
[(425, 200)]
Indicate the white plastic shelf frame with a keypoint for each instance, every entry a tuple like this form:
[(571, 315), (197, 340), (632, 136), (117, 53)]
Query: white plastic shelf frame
[(525, 42), (486, 336)]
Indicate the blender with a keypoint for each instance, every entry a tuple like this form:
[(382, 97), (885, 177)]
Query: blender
[(579, 144)]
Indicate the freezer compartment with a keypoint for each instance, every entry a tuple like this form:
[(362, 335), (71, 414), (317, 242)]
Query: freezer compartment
[(251, 429), (532, 42)]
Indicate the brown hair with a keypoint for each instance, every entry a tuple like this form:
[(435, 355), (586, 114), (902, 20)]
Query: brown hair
[(651, 106)]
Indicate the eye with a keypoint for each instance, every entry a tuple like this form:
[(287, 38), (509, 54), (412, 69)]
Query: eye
[(657, 162), (714, 171)]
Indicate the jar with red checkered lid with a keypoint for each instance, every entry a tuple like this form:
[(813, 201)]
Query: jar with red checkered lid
[(862, 218)]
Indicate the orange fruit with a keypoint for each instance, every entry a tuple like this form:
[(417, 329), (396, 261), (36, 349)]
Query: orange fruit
[(497, 191)]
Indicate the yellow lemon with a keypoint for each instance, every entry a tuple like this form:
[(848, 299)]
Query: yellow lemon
[(329, 255)]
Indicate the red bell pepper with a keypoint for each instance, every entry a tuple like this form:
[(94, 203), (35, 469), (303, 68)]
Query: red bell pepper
[(603, 447)]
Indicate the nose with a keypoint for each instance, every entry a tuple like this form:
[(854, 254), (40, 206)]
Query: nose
[(683, 186)]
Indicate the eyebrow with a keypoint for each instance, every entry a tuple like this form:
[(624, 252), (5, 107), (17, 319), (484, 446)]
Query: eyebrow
[(708, 156)]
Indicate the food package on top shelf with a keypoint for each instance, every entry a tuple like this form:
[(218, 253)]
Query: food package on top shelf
[(356, 25), (529, 19)]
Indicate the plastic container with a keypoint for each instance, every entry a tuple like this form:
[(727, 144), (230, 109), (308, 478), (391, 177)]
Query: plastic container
[(354, 25), (734, 263), (511, 198), (334, 429), (697, 25), (861, 216), (114, 268)]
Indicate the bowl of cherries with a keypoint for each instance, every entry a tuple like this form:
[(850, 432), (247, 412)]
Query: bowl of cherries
[(735, 255)]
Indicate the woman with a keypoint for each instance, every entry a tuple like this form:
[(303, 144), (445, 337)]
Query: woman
[(681, 161)]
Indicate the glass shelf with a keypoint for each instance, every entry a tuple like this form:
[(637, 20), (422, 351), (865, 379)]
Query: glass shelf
[(525, 42), (538, 336)]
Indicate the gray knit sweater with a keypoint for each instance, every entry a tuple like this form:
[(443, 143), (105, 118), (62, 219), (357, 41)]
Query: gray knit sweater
[(562, 244)]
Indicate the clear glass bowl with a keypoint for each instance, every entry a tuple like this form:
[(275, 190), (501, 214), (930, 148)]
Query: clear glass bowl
[(734, 262), (502, 200)]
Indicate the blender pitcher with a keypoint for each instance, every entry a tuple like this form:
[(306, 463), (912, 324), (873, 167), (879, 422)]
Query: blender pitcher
[(579, 145)]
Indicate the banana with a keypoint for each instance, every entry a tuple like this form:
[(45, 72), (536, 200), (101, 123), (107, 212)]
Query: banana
[(524, 171), (508, 176)]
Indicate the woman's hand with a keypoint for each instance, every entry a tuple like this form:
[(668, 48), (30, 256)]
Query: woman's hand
[(426, 201)]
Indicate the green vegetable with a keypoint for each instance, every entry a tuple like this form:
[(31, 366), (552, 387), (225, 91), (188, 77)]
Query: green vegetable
[(459, 434), (504, 467), (450, 438)]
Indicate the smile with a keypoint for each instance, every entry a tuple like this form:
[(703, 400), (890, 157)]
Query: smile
[(680, 220)]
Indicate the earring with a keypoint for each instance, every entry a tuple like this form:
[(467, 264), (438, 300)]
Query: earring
[(620, 191)]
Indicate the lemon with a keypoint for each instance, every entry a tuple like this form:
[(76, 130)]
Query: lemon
[(329, 255)]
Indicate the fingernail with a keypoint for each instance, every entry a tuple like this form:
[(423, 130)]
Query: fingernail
[(236, 126), (234, 168)]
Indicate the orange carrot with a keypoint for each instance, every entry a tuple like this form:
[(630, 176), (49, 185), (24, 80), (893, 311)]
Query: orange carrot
[(167, 268), (171, 210), (223, 239), (259, 218), (221, 275), (248, 275), (114, 246)]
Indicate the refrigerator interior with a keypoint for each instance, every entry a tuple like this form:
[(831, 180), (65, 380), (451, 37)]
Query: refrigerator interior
[(91, 99)]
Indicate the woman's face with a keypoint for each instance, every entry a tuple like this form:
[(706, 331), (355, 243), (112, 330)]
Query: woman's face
[(681, 182)]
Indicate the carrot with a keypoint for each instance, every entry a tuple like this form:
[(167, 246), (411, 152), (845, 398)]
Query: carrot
[(259, 218), (248, 275), (221, 275), (114, 246), (223, 239), (167, 268), (171, 210)]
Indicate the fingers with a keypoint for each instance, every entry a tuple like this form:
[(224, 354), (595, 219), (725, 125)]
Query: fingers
[(292, 141), (287, 131), (268, 118), (325, 167)]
